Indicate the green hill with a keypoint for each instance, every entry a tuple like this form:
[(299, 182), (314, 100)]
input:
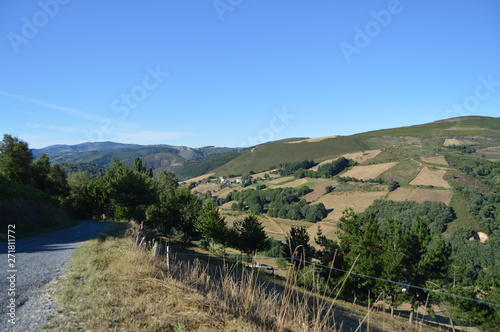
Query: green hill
[(481, 132)]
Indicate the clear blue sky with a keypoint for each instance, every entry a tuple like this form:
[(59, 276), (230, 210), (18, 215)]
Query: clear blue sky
[(241, 72)]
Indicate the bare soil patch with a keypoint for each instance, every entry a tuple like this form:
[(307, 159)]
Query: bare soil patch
[(428, 177), (279, 180), (316, 139), (451, 141), (224, 192), (204, 187), (365, 172), (198, 178), (319, 190), (292, 184), (262, 174), (464, 128), (420, 195), (438, 160), (358, 201), (360, 157)]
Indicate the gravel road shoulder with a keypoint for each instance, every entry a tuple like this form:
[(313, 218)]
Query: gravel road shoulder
[(39, 263)]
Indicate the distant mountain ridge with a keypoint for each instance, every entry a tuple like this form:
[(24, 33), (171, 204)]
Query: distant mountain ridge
[(83, 147), (481, 132), (158, 157)]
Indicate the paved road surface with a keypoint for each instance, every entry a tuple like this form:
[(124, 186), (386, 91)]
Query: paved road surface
[(38, 260)]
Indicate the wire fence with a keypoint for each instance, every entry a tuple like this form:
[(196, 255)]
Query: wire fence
[(403, 285)]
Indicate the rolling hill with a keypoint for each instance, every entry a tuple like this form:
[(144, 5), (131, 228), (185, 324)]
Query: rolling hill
[(429, 162), (483, 133)]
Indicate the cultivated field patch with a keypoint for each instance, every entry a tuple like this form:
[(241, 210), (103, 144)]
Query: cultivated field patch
[(225, 191), (360, 157), (451, 141), (366, 172), (316, 139), (319, 189), (438, 160), (292, 184), (464, 128), (281, 180), (262, 174), (198, 178), (420, 195), (428, 177), (358, 201), (204, 187)]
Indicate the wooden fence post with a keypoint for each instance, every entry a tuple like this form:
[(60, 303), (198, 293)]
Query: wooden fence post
[(167, 254)]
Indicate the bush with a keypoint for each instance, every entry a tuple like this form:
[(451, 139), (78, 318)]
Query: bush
[(392, 185)]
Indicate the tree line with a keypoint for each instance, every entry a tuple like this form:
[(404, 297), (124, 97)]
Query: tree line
[(278, 202)]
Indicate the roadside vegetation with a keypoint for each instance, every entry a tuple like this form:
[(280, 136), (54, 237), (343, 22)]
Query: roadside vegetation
[(30, 191), (423, 239), (113, 285)]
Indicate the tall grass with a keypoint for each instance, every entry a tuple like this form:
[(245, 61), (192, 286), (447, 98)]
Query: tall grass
[(112, 285)]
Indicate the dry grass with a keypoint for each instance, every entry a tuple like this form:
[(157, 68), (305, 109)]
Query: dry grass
[(360, 157), (316, 139), (198, 178), (206, 187), (451, 141), (111, 285), (357, 200), (367, 172), (428, 177), (420, 195), (438, 160), (319, 189)]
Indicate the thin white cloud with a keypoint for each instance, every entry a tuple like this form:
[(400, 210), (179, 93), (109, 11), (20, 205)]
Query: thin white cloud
[(71, 111), (38, 141), (63, 129)]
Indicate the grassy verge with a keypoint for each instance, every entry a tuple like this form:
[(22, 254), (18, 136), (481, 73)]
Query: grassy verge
[(112, 285)]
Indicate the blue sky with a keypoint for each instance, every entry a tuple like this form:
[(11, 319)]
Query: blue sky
[(241, 72)]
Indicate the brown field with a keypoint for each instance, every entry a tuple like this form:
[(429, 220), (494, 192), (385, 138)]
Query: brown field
[(369, 171), (420, 195), (293, 184), (199, 178), (428, 177), (451, 141), (223, 192), (262, 174), (491, 153), (204, 187), (319, 189), (360, 157), (464, 128), (329, 230), (438, 160), (316, 139), (279, 180), (358, 201)]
